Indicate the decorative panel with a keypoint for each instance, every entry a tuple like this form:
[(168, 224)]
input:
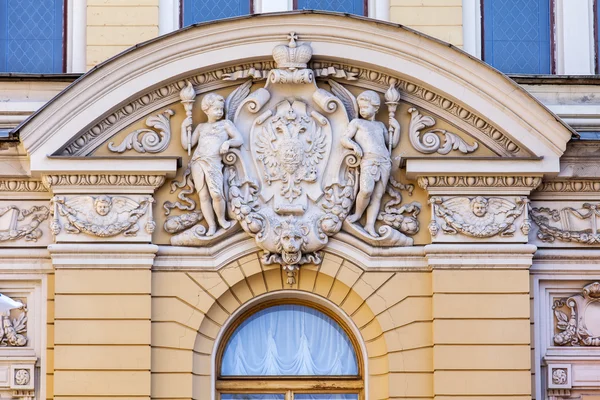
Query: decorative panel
[(31, 36), (346, 6), (202, 10), (517, 35)]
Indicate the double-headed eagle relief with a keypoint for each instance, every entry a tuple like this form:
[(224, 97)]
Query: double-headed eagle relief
[(292, 164)]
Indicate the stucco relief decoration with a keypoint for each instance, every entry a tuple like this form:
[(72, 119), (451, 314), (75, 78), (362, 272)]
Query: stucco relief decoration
[(478, 217), (578, 225), (148, 140), (22, 223), (430, 141), (559, 376), (577, 318), (101, 216), (13, 332), (287, 163)]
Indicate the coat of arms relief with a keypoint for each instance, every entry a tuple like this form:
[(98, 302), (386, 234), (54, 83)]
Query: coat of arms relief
[(292, 164)]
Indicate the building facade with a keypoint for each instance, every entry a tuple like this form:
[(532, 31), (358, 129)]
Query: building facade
[(302, 204)]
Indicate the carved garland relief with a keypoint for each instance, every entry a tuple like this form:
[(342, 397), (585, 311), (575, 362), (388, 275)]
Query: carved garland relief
[(478, 217), (577, 318)]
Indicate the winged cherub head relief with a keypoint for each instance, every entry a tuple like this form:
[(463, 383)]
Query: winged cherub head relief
[(479, 206), (103, 205)]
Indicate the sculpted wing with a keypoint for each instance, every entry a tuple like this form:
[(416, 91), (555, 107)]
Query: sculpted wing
[(317, 150), (235, 98), (498, 206), (81, 204), (347, 98), (264, 148), (123, 204), (460, 209)]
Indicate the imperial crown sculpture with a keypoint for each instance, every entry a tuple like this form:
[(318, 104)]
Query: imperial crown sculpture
[(291, 171)]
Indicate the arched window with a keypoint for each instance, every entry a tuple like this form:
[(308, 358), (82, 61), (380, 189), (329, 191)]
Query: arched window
[(288, 351)]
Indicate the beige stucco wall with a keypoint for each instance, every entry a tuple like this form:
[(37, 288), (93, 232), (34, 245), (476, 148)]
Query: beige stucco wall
[(441, 19), (446, 333), (115, 25)]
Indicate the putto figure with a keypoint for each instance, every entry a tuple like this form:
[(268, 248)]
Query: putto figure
[(370, 141), (214, 139)]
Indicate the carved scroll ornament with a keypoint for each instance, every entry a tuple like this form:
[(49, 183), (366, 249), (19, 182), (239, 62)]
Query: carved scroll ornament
[(478, 217), (147, 140), (568, 224), (24, 223), (430, 142), (101, 216), (580, 326), (289, 170)]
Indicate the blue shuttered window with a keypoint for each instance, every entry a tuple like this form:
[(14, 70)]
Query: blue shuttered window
[(31, 36), (209, 10), (517, 35), (346, 6)]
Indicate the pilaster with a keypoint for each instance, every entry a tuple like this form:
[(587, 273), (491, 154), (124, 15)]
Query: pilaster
[(481, 320), (102, 320)]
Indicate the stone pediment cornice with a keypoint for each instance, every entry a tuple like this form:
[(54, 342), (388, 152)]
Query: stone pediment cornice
[(427, 98), (475, 94)]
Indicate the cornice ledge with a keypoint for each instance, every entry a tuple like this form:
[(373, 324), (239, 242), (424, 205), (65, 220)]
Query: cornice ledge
[(103, 183), (480, 256), (479, 184), (23, 188), (205, 258), (371, 258), (25, 260), (103, 255), (567, 189)]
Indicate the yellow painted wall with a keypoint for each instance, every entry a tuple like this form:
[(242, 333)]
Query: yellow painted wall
[(102, 333), (441, 19), (444, 334), (115, 25)]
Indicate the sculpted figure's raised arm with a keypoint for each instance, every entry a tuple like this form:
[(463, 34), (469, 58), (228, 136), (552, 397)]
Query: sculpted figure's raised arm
[(371, 141), (212, 139)]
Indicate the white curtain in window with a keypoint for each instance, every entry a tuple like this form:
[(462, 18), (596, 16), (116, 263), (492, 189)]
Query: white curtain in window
[(289, 340)]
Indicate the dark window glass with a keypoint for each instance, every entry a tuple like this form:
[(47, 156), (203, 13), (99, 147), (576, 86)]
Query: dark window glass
[(209, 10), (346, 6), (517, 35), (31, 36)]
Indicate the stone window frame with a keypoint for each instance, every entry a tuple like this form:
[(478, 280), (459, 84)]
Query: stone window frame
[(286, 385)]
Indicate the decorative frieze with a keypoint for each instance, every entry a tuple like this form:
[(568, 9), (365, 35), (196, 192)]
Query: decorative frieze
[(566, 223), (577, 318), (479, 218), (52, 181), (22, 223), (107, 217), (21, 185), (569, 186), (469, 181)]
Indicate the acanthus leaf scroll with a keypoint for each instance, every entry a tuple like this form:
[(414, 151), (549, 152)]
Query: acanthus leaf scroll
[(574, 329), (290, 169)]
